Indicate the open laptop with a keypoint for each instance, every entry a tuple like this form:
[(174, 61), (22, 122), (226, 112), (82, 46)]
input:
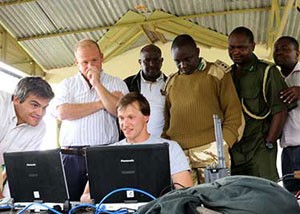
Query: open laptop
[(145, 167), (36, 176)]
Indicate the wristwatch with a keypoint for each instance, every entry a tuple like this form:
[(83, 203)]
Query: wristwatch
[(269, 144)]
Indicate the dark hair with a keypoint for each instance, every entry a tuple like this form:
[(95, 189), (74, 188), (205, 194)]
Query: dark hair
[(291, 40), (244, 31), (135, 97), (152, 48), (33, 85), (183, 40)]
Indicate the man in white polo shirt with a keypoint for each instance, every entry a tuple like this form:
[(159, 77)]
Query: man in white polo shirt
[(286, 55), (21, 125), (86, 105), (149, 81)]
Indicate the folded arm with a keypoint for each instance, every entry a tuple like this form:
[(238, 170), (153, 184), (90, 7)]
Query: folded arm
[(70, 111)]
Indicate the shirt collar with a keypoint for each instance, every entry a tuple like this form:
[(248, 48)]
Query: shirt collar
[(296, 68), (161, 77), (202, 65), (13, 112), (251, 65), (14, 117)]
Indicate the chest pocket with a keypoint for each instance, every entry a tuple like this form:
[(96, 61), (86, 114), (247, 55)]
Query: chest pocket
[(253, 94), (250, 100)]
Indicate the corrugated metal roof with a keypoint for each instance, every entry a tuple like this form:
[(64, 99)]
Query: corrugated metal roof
[(46, 17)]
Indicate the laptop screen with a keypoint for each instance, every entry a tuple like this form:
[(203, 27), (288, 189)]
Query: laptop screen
[(36, 176), (144, 167)]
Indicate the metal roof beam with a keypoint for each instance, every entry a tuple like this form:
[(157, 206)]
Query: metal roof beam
[(285, 15), (274, 21), (122, 47), (284, 19), (14, 54), (208, 37), (173, 34), (146, 34), (3, 47), (158, 20), (3, 4)]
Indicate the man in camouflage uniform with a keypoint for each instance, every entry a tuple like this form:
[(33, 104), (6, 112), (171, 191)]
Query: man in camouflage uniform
[(258, 84)]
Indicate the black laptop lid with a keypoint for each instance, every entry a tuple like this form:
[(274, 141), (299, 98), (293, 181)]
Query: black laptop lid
[(145, 167), (36, 176)]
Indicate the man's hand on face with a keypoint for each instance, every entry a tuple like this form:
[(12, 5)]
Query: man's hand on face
[(93, 75), (291, 94)]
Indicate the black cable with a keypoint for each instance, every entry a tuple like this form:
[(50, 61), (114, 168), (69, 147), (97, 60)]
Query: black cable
[(125, 208), (169, 187), (178, 185), (164, 190), (286, 176)]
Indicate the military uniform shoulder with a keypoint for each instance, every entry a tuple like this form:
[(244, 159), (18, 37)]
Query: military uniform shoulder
[(222, 65), (268, 63), (218, 69), (172, 75)]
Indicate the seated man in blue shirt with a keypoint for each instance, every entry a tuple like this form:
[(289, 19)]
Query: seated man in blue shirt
[(133, 114)]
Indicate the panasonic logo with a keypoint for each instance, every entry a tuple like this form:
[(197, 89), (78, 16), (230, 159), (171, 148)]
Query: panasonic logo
[(30, 164), (127, 161)]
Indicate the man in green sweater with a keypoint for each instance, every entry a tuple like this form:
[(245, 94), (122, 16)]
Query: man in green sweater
[(258, 84), (194, 94)]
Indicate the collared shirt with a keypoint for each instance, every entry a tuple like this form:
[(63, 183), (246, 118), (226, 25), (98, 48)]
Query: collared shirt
[(95, 129), (13, 137), (249, 86), (200, 67), (152, 92), (291, 130)]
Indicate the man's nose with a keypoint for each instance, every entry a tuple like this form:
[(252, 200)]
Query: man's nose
[(40, 111), (234, 50), (126, 121), (152, 63), (90, 64), (181, 65)]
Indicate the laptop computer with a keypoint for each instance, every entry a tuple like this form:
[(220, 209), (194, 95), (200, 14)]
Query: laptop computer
[(145, 167), (36, 176)]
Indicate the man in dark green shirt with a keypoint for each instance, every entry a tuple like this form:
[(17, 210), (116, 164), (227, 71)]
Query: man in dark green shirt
[(258, 85)]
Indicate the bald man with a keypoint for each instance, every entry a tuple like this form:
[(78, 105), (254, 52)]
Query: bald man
[(86, 105)]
